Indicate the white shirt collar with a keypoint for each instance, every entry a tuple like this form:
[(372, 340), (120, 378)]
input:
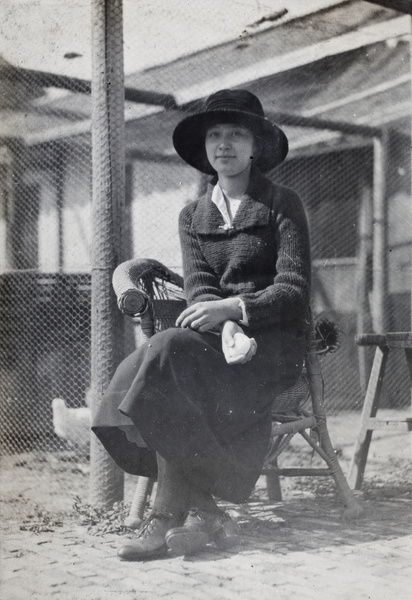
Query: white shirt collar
[(219, 200)]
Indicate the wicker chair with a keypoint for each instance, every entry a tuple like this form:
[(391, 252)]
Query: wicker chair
[(147, 289)]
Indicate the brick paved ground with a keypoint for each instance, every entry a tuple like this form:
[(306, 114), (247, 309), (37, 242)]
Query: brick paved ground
[(298, 549), (311, 554)]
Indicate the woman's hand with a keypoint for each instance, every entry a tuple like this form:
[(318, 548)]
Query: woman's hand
[(234, 344), (205, 316)]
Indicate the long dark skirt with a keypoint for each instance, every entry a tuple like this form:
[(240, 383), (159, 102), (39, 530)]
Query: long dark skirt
[(207, 417)]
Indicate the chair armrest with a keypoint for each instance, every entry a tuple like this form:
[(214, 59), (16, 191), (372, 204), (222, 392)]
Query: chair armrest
[(133, 284)]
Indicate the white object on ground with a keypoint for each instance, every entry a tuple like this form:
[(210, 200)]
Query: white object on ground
[(72, 424)]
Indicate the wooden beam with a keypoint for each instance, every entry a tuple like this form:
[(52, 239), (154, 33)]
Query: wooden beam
[(156, 157), (359, 96), (329, 125), (82, 86), (395, 425), (404, 6)]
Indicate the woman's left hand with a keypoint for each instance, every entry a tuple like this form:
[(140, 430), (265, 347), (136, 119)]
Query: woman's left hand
[(205, 316)]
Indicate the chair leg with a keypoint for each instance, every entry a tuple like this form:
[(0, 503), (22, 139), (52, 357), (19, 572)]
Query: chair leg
[(353, 509), (143, 490), (273, 486)]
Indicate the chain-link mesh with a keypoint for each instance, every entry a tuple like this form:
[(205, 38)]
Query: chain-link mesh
[(46, 204), (45, 281)]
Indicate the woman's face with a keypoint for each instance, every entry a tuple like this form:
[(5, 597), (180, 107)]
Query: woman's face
[(229, 148)]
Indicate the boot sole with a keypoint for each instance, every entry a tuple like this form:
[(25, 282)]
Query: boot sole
[(128, 553)]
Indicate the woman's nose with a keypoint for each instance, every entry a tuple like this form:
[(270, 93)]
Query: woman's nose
[(224, 142)]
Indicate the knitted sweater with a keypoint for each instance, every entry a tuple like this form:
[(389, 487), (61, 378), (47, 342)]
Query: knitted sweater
[(264, 258)]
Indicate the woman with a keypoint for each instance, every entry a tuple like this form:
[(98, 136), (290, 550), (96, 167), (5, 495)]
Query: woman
[(200, 395)]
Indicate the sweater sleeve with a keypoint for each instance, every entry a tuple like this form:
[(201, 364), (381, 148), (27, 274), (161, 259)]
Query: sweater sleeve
[(287, 299), (201, 283)]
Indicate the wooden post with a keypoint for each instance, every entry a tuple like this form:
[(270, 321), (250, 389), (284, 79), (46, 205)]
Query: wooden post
[(108, 155), (380, 234), (364, 321), (410, 66), (409, 363)]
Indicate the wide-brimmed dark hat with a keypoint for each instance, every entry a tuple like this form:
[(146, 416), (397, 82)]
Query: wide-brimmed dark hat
[(230, 106)]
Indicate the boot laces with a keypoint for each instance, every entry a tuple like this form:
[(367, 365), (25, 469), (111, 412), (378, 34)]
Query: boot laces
[(149, 525)]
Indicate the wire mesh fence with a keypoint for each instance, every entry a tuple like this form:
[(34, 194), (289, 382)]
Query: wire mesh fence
[(46, 217)]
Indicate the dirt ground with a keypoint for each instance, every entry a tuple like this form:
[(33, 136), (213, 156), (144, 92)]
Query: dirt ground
[(39, 489)]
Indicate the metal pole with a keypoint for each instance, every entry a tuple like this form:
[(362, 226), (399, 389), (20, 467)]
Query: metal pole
[(106, 479)]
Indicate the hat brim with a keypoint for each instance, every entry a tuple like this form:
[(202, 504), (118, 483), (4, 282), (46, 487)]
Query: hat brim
[(189, 138)]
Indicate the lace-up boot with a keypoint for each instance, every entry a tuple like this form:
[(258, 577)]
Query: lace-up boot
[(199, 528), (149, 542)]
